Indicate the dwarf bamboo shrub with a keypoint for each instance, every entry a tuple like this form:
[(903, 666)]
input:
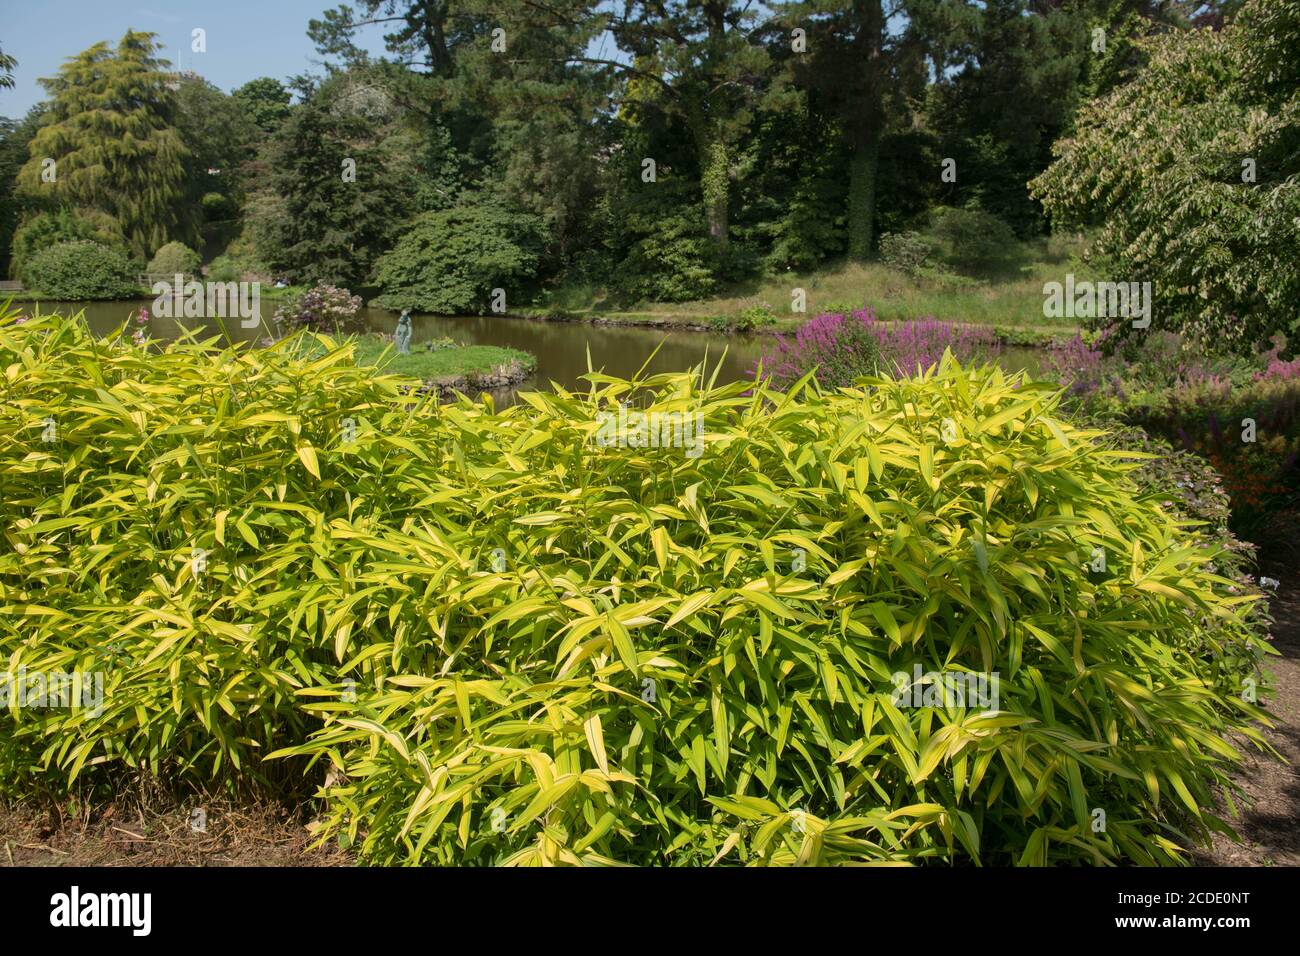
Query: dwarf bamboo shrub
[(682, 631)]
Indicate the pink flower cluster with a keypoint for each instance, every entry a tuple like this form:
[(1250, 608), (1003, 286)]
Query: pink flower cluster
[(1278, 370), (843, 347), (919, 344), (321, 307), (140, 336)]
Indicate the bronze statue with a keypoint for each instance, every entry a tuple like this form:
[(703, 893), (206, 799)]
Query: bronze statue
[(402, 337)]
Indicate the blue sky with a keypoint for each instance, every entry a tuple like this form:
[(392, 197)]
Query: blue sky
[(245, 38)]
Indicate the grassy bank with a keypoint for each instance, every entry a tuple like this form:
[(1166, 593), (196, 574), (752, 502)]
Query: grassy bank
[(1009, 299), (445, 363)]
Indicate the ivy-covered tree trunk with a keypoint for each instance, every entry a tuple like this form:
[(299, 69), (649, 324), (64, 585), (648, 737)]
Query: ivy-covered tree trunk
[(710, 134), (711, 148), (714, 181)]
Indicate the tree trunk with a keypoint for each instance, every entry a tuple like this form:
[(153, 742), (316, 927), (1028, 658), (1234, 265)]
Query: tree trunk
[(863, 166), (714, 178), (715, 175), (865, 125)]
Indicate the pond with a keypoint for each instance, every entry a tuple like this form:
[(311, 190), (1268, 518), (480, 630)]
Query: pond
[(561, 347)]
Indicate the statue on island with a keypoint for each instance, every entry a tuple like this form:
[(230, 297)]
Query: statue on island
[(402, 337)]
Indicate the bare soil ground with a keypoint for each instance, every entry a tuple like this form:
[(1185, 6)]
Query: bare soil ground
[(1270, 822), (160, 831)]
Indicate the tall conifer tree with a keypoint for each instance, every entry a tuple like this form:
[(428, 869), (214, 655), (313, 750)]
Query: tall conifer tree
[(111, 134)]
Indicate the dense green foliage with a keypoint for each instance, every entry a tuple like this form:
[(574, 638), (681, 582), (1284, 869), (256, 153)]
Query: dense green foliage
[(1192, 174), (671, 261), (665, 151), (110, 134), (906, 251), (45, 229), (972, 240), (520, 643), (173, 258), (1242, 414), (81, 269), (450, 261), (265, 103), (14, 137), (239, 262), (335, 197), (220, 138)]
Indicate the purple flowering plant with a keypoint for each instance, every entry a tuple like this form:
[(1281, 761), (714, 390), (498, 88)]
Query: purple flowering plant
[(1240, 414), (842, 346)]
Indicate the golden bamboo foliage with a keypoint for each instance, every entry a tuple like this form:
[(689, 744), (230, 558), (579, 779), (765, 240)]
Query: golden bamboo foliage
[(518, 645)]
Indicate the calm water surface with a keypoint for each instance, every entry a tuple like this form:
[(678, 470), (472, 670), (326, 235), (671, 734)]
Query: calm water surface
[(561, 347)]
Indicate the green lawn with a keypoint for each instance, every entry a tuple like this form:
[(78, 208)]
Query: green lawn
[(444, 364), (1011, 299)]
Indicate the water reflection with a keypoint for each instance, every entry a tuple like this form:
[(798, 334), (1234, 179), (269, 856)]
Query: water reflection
[(561, 347)]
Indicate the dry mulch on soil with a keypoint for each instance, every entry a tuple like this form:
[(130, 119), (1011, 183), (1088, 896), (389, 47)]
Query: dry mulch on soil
[(1269, 824), (158, 831)]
